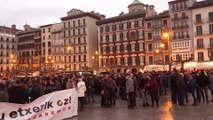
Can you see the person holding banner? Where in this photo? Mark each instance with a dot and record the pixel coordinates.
(81, 89)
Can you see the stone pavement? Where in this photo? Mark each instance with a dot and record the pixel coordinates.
(166, 111)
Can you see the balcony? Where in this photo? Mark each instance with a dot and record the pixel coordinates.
(210, 47)
(209, 20)
(199, 21)
(181, 37)
(207, 32)
(180, 18)
(200, 47)
(180, 27)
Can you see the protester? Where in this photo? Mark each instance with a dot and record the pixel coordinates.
(18, 93)
(130, 91)
(153, 89)
(192, 88)
(81, 89)
(3, 93)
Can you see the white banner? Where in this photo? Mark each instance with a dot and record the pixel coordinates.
(53, 106)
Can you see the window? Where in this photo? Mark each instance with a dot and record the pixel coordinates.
(49, 30)
(210, 16)
(84, 22)
(43, 30)
(164, 23)
(175, 16)
(149, 25)
(151, 60)
(79, 23)
(198, 18)
(49, 44)
(73, 23)
(211, 42)
(43, 44)
(150, 47)
(200, 56)
(199, 30)
(149, 36)
(121, 26)
(211, 28)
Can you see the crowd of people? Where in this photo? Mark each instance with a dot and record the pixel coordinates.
(147, 86)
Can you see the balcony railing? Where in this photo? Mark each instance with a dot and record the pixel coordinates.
(180, 18)
(210, 46)
(181, 37)
(199, 21)
(180, 27)
(207, 32)
(209, 20)
(200, 47)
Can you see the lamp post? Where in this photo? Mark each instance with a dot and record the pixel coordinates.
(166, 39)
(96, 58)
(50, 62)
(13, 64)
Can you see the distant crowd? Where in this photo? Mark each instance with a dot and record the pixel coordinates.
(148, 86)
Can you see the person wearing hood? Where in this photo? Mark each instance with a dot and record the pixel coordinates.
(81, 89)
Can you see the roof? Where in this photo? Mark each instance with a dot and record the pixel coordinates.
(9, 28)
(46, 25)
(201, 4)
(29, 32)
(175, 1)
(160, 15)
(135, 2)
(81, 15)
(121, 18)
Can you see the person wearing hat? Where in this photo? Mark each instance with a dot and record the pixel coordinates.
(81, 89)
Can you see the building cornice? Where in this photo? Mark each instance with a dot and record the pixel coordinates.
(121, 18)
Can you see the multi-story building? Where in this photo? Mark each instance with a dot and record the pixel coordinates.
(121, 38)
(202, 14)
(58, 47)
(157, 48)
(46, 40)
(181, 24)
(7, 49)
(29, 49)
(80, 32)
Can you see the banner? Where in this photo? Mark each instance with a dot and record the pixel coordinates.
(54, 106)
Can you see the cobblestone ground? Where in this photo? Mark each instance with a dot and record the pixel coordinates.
(166, 111)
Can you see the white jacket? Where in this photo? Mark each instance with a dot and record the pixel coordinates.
(81, 88)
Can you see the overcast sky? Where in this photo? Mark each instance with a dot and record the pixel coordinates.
(41, 12)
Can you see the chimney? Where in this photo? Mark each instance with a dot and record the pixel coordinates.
(13, 26)
(103, 17)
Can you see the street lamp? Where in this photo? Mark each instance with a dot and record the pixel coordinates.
(13, 63)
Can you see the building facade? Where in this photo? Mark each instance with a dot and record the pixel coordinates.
(158, 49)
(46, 41)
(121, 39)
(80, 33)
(7, 49)
(58, 47)
(29, 49)
(202, 13)
(181, 24)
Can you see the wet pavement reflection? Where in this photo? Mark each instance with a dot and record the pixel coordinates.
(166, 111)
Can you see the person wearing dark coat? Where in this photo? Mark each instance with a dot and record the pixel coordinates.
(203, 83)
(3, 93)
(181, 86)
(153, 90)
(18, 93)
(37, 90)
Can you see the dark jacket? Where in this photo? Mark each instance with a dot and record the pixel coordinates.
(203, 80)
(18, 94)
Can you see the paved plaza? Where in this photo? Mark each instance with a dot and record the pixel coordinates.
(166, 111)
